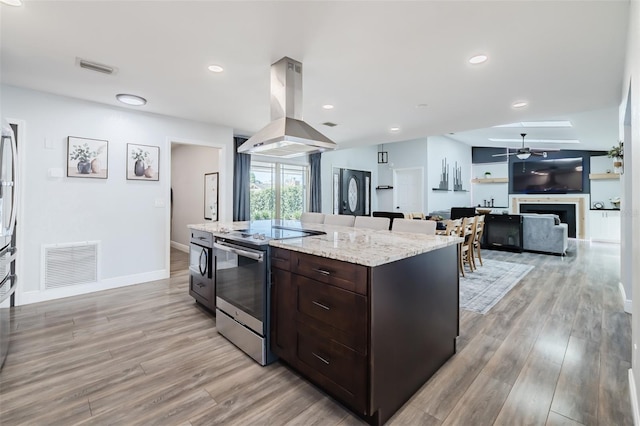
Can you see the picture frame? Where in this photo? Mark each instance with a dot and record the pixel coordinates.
(87, 158)
(143, 162)
(211, 196)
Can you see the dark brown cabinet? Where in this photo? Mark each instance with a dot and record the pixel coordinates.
(369, 336)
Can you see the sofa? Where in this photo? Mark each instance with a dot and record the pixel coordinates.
(544, 233)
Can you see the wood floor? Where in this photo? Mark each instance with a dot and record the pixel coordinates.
(554, 351)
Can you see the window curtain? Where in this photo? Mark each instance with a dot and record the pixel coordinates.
(315, 172)
(241, 178)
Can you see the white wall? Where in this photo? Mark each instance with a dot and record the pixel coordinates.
(630, 206)
(438, 148)
(121, 214)
(604, 189)
(365, 158)
(484, 192)
(189, 163)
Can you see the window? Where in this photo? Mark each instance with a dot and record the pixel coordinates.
(278, 191)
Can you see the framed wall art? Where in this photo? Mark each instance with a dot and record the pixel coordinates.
(87, 158)
(143, 162)
(211, 196)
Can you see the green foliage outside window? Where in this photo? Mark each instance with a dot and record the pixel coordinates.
(262, 203)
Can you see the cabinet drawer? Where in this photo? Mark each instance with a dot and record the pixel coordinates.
(280, 258)
(345, 275)
(201, 237)
(201, 286)
(341, 370)
(340, 309)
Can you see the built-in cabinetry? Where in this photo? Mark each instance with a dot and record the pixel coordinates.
(604, 225)
(369, 336)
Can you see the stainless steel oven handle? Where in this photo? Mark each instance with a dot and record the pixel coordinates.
(259, 256)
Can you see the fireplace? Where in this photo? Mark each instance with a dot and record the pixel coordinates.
(566, 212)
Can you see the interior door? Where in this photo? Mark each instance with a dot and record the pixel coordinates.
(408, 190)
(355, 192)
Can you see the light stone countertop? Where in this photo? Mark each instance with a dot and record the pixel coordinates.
(354, 245)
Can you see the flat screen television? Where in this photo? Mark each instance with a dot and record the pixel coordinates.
(549, 176)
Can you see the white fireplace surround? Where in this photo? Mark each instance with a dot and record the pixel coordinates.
(579, 200)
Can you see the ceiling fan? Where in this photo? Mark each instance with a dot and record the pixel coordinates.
(524, 152)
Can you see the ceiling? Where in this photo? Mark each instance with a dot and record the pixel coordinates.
(374, 61)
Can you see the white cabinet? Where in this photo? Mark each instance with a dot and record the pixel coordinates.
(604, 225)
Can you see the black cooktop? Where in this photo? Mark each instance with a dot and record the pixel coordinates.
(262, 234)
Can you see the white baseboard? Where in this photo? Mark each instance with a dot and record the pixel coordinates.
(179, 246)
(634, 398)
(627, 302)
(58, 293)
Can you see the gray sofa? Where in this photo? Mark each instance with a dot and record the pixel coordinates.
(544, 233)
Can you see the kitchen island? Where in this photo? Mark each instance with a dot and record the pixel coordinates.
(368, 316)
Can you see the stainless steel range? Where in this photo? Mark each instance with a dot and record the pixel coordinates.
(242, 286)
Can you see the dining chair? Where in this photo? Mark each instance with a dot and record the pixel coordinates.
(478, 240)
(452, 227)
(416, 215)
(378, 223)
(419, 226)
(339, 219)
(312, 217)
(467, 231)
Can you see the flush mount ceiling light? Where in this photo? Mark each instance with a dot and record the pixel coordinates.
(394, 129)
(520, 104)
(12, 2)
(215, 68)
(131, 99)
(327, 106)
(478, 59)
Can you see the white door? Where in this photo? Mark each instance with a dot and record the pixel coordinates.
(408, 190)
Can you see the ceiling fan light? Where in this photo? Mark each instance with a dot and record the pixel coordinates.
(523, 155)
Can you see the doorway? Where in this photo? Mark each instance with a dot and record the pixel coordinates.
(408, 190)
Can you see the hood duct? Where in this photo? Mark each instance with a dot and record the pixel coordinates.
(287, 135)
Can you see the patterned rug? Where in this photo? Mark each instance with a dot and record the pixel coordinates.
(481, 289)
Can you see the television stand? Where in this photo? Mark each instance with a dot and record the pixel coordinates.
(503, 232)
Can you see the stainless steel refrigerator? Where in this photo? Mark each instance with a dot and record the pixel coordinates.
(8, 279)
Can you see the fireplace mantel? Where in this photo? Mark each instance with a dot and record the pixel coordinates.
(578, 201)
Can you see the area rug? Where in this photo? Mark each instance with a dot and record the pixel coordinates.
(481, 289)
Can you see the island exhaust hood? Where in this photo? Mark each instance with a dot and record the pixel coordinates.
(287, 135)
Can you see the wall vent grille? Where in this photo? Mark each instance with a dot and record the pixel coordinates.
(70, 264)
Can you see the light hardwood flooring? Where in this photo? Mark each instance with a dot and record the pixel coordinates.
(554, 351)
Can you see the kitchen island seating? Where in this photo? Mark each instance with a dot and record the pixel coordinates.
(410, 225)
(378, 223)
(312, 217)
(339, 219)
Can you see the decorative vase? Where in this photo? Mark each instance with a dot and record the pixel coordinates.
(148, 172)
(138, 168)
(84, 167)
(95, 166)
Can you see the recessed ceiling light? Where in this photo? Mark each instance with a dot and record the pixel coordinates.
(131, 99)
(478, 59)
(394, 129)
(215, 68)
(327, 106)
(12, 2)
(520, 104)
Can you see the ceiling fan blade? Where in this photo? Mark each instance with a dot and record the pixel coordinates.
(503, 155)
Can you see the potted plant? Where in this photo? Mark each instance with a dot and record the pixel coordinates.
(487, 175)
(83, 154)
(617, 153)
(140, 156)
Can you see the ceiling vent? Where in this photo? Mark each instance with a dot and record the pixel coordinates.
(94, 66)
(329, 124)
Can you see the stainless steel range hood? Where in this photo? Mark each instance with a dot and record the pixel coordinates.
(287, 135)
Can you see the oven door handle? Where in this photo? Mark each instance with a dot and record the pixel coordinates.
(259, 256)
(206, 261)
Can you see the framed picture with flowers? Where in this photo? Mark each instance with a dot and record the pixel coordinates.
(211, 196)
(143, 162)
(87, 158)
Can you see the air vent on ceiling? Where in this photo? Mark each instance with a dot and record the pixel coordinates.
(329, 124)
(94, 66)
(70, 264)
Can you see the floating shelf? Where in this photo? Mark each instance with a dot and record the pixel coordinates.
(596, 176)
(460, 190)
(490, 180)
(439, 189)
(384, 187)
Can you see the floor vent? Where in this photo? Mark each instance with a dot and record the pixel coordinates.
(70, 264)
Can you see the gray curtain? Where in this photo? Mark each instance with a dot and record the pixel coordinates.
(241, 178)
(316, 194)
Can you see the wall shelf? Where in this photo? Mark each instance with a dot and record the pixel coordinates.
(490, 180)
(439, 189)
(384, 187)
(460, 190)
(597, 176)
